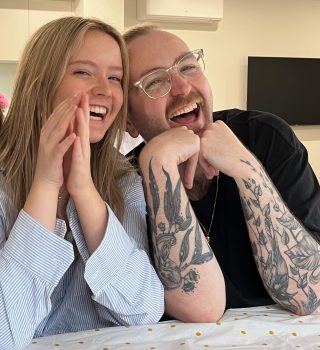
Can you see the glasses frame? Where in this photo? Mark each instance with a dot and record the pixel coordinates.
(138, 83)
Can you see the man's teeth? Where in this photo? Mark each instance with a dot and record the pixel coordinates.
(184, 110)
(98, 109)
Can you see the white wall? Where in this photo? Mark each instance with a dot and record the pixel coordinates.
(7, 75)
(313, 148)
(110, 11)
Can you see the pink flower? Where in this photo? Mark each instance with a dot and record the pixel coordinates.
(4, 103)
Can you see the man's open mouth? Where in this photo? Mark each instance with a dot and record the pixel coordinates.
(186, 114)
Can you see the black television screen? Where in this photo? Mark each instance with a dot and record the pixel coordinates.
(288, 87)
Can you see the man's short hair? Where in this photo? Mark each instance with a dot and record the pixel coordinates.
(138, 30)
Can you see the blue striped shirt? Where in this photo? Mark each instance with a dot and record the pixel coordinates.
(46, 288)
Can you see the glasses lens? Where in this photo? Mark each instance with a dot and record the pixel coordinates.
(192, 64)
(156, 84)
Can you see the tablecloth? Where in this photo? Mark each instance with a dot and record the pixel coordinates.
(266, 327)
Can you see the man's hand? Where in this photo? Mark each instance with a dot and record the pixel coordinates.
(222, 150)
(178, 146)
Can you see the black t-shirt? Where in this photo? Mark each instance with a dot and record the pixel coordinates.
(285, 160)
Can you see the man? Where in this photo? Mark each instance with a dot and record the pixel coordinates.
(234, 206)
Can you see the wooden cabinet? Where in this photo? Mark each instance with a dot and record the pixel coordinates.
(13, 28)
(20, 18)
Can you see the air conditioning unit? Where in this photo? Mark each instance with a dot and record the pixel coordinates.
(194, 11)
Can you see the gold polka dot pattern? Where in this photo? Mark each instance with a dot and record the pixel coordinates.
(267, 327)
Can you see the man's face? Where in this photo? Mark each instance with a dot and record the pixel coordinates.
(189, 101)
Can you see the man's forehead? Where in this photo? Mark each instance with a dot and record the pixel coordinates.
(154, 50)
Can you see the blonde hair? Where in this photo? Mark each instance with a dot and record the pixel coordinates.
(138, 30)
(40, 72)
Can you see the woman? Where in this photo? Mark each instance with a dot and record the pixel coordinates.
(72, 214)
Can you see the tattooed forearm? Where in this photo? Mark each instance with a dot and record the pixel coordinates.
(287, 256)
(177, 239)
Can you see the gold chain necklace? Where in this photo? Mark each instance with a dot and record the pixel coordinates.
(207, 233)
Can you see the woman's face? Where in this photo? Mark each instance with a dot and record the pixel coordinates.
(95, 68)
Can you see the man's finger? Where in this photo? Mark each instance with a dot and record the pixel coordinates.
(189, 170)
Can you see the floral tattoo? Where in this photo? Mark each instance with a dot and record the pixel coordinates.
(287, 256)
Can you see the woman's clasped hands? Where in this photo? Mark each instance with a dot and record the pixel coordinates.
(64, 147)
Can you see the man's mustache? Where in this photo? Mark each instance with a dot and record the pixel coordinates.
(181, 101)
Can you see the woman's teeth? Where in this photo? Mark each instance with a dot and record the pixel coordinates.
(97, 112)
(98, 109)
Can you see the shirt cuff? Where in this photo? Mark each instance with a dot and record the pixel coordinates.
(38, 250)
(111, 255)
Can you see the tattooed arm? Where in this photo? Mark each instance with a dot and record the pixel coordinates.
(193, 281)
(286, 254)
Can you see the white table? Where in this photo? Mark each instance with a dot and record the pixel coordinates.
(251, 328)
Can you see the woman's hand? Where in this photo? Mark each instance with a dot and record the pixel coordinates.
(78, 179)
(91, 208)
(56, 138)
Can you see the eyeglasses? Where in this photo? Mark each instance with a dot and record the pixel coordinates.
(158, 83)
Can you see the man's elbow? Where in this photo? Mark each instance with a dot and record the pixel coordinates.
(303, 312)
(209, 316)
(196, 313)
